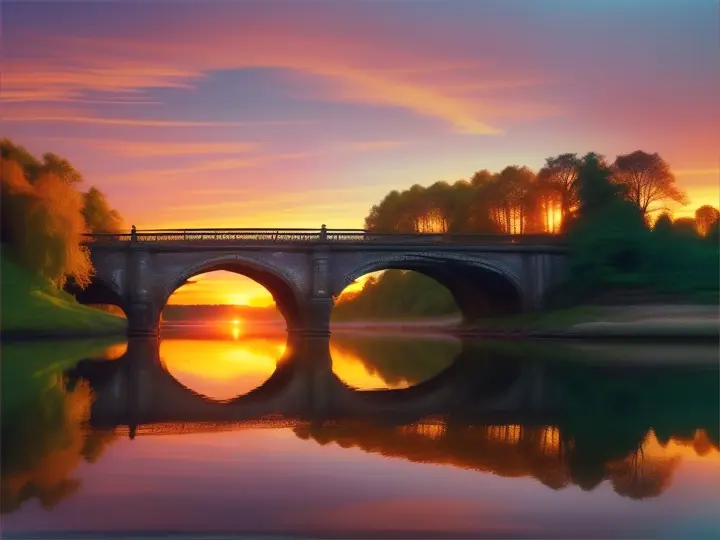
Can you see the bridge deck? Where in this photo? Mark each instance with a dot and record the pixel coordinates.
(313, 236)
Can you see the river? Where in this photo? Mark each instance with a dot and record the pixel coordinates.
(225, 430)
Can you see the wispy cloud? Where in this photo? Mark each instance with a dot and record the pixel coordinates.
(154, 148)
(367, 64)
(135, 122)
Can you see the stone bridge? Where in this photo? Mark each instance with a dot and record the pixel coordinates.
(136, 390)
(305, 270)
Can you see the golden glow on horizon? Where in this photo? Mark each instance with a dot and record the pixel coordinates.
(222, 288)
(699, 448)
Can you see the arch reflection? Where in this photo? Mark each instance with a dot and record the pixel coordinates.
(222, 369)
(390, 362)
(570, 423)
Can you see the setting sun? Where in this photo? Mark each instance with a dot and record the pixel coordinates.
(222, 288)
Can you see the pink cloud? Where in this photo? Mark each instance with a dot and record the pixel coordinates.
(155, 148)
(367, 65)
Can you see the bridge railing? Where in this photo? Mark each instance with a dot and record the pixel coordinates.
(293, 236)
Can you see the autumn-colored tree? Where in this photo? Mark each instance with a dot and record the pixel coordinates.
(512, 201)
(640, 477)
(9, 151)
(481, 202)
(705, 217)
(560, 173)
(43, 224)
(99, 217)
(61, 168)
(648, 180)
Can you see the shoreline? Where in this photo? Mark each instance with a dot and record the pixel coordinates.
(17, 336)
(618, 323)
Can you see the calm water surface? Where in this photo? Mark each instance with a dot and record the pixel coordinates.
(368, 435)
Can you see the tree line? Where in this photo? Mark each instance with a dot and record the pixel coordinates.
(45, 213)
(518, 200)
(603, 209)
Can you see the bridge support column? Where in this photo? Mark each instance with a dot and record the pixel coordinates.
(139, 359)
(142, 310)
(319, 306)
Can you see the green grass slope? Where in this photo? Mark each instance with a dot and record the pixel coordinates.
(29, 304)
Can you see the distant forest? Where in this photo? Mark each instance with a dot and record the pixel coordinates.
(605, 210)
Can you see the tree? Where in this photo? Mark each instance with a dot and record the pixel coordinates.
(705, 217)
(512, 204)
(685, 227)
(60, 167)
(99, 217)
(43, 224)
(594, 185)
(561, 173)
(648, 180)
(607, 236)
(9, 151)
(663, 225)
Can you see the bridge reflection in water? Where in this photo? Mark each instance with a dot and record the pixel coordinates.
(494, 409)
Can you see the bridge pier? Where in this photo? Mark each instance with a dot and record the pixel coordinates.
(318, 308)
(142, 311)
(143, 319)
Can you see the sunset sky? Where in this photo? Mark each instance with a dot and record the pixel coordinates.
(293, 114)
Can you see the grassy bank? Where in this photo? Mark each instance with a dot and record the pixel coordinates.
(31, 305)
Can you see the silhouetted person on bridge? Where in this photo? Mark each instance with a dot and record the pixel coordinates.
(133, 234)
(323, 232)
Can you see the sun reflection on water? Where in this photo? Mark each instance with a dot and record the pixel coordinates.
(222, 369)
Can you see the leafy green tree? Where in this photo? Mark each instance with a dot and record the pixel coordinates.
(663, 225)
(397, 294)
(607, 237)
(685, 227)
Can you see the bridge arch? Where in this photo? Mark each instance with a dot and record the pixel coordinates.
(277, 282)
(479, 287)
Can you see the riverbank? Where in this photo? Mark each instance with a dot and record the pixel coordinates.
(31, 308)
(656, 322)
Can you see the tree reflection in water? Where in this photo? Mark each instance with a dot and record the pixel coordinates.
(44, 430)
(599, 430)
